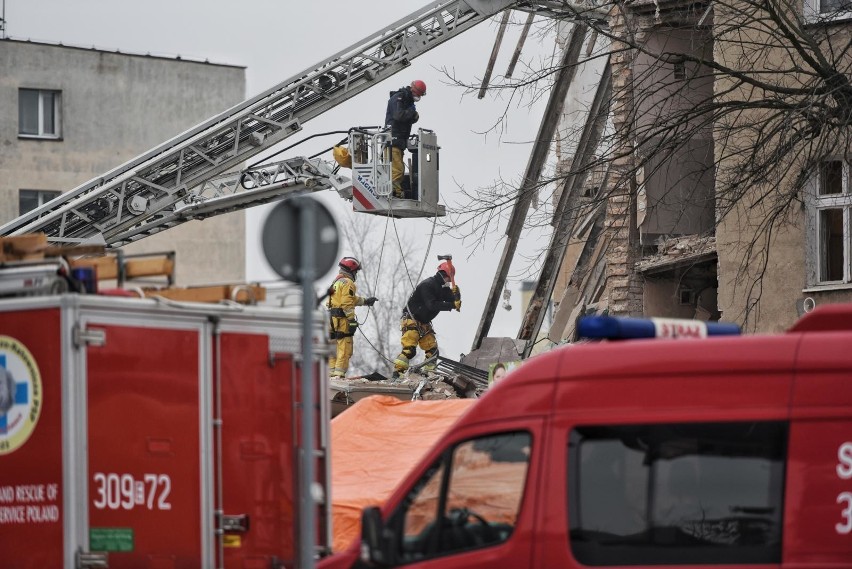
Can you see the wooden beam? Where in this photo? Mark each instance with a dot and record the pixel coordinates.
(586, 147)
(215, 293)
(30, 246)
(538, 157)
(524, 33)
(494, 51)
(107, 267)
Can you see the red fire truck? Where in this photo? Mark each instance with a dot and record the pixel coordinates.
(733, 451)
(143, 433)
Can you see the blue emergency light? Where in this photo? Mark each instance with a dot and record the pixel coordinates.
(612, 327)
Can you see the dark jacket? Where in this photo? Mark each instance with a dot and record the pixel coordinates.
(400, 115)
(429, 298)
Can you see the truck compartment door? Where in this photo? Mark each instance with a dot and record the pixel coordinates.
(145, 483)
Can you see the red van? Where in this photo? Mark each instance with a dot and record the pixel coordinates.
(733, 451)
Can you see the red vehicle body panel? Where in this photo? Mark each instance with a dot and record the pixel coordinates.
(822, 424)
(802, 379)
(143, 444)
(26, 540)
(255, 422)
(155, 424)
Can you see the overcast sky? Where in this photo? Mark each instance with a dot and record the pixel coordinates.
(275, 40)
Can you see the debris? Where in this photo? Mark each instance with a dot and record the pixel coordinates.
(450, 380)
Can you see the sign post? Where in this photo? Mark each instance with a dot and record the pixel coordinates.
(300, 241)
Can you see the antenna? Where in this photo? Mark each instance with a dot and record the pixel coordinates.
(3, 22)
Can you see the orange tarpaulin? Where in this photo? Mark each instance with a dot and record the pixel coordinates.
(374, 444)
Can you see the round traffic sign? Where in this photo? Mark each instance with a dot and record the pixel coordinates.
(282, 243)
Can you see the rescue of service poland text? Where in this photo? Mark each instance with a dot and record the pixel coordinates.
(25, 504)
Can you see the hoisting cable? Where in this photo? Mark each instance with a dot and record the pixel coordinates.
(408, 275)
(285, 149)
(375, 288)
(329, 149)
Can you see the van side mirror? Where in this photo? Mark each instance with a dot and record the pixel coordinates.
(375, 548)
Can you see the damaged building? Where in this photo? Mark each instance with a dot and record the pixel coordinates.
(682, 202)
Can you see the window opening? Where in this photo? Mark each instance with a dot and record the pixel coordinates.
(29, 200)
(830, 212)
(38, 113)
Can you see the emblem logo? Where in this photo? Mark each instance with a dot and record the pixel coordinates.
(20, 394)
(367, 185)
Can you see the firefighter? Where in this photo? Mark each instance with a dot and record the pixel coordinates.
(435, 294)
(342, 301)
(400, 115)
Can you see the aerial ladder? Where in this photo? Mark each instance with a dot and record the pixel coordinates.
(196, 174)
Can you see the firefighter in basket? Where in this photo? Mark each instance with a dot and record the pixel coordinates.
(433, 295)
(400, 115)
(342, 300)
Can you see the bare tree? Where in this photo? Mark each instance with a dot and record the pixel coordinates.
(734, 104)
(387, 254)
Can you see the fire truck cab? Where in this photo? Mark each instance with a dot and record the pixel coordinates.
(730, 451)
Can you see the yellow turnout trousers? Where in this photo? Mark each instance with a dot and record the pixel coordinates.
(415, 334)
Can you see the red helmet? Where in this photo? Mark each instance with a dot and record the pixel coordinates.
(418, 88)
(448, 269)
(351, 264)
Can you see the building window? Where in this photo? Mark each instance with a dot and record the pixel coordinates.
(683, 494)
(39, 113)
(28, 200)
(829, 210)
(680, 70)
(827, 10)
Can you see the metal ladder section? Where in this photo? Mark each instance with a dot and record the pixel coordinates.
(143, 196)
(239, 190)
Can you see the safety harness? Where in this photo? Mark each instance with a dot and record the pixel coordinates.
(338, 312)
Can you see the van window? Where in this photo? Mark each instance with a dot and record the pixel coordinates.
(693, 493)
(453, 509)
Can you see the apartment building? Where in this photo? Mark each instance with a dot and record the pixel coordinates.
(69, 114)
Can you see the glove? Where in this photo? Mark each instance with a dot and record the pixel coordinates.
(456, 293)
(370, 301)
(457, 305)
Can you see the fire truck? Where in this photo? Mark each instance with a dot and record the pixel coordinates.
(152, 433)
(162, 434)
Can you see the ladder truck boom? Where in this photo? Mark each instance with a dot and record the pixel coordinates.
(148, 193)
(239, 190)
(167, 185)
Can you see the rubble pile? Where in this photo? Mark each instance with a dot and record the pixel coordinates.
(415, 385)
(676, 249)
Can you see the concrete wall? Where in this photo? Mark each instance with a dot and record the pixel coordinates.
(763, 267)
(760, 293)
(115, 107)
